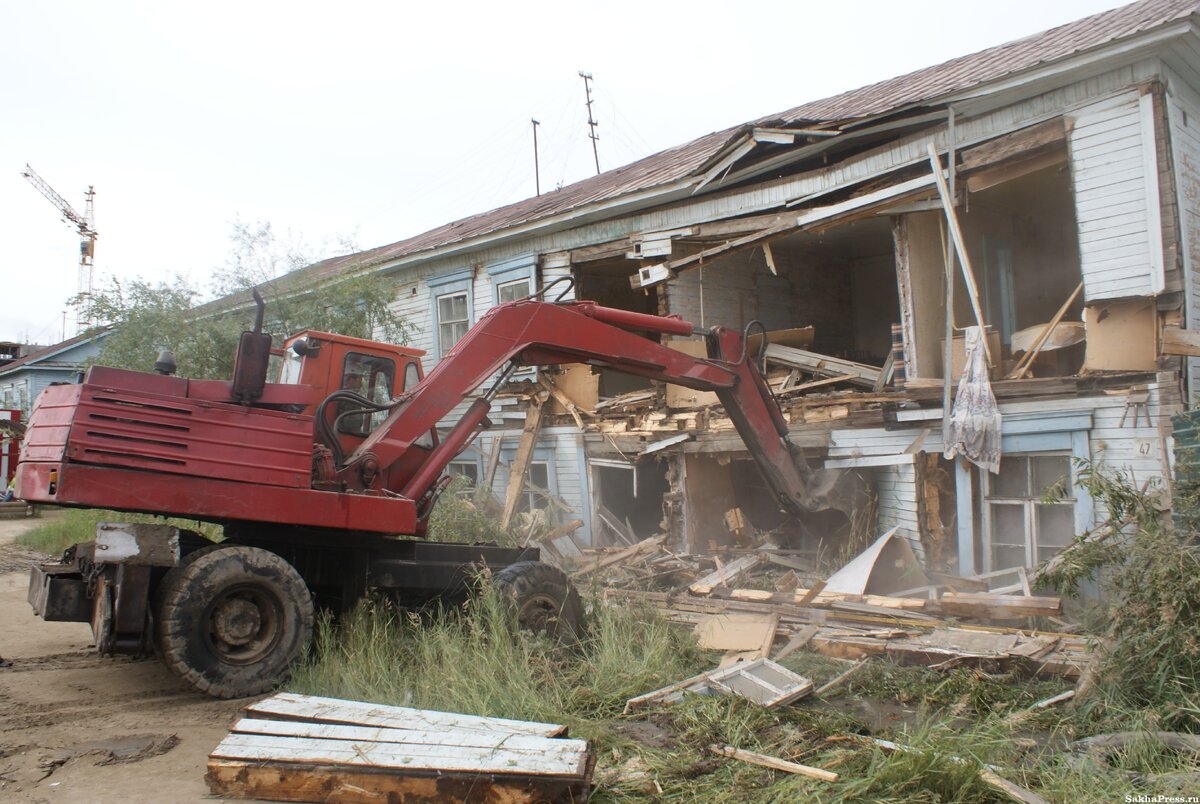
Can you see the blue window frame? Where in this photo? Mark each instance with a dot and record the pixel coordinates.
(451, 308)
(513, 279)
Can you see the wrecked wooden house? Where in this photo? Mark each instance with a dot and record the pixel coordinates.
(1068, 225)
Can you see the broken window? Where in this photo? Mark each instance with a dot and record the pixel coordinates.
(1029, 510)
(537, 484)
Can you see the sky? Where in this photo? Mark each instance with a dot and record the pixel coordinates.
(367, 123)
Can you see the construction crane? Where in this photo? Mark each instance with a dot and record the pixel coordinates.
(85, 224)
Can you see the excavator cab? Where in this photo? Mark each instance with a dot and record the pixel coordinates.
(375, 371)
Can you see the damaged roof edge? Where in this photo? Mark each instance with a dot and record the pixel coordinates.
(697, 157)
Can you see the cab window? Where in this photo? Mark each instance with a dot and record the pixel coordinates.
(369, 376)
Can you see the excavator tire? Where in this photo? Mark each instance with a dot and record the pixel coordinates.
(544, 598)
(232, 620)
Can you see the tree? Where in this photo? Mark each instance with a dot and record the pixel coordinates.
(150, 316)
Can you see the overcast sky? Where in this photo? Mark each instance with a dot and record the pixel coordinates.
(377, 121)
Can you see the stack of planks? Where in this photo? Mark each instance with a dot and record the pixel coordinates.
(302, 748)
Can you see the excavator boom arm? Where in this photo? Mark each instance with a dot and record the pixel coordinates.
(537, 333)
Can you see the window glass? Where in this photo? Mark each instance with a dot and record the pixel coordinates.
(453, 318)
(1013, 480)
(1055, 528)
(1050, 471)
(1023, 530)
(369, 376)
(289, 371)
(511, 291)
(412, 376)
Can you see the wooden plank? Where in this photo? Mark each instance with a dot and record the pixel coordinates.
(726, 575)
(453, 738)
(736, 632)
(798, 641)
(773, 763)
(520, 463)
(839, 679)
(859, 373)
(644, 547)
(960, 246)
(668, 693)
(282, 781)
(1178, 341)
(998, 607)
(1021, 143)
(465, 759)
(337, 710)
(489, 477)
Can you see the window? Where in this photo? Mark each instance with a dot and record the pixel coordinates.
(451, 304)
(369, 376)
(453, 319)
(511, 291)
(1024, 528)
(464, 469)
(537, 485)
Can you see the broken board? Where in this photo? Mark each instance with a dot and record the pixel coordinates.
(301, 748)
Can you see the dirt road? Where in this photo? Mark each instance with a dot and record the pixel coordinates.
(75, 727)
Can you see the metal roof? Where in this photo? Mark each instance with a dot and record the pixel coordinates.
(41, 356)
(683, 161)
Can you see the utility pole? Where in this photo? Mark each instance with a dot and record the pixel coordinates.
(537, 176)
(587, 92)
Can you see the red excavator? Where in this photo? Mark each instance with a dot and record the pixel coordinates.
(323, 482)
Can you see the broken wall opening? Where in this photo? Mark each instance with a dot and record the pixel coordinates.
(726, 504)
(841, 281)
(1022, 242)
(606, 282)
(628, 500)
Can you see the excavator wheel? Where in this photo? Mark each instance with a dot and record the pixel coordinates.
(544, 598)
(232, 620)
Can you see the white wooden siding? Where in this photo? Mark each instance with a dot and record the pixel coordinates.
(1115, 176)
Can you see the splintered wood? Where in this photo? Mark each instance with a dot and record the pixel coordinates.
(303, 748)
(848, 630)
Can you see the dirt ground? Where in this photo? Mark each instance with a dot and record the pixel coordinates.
(75, 727)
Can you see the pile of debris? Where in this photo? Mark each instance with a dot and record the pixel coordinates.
(881, 604)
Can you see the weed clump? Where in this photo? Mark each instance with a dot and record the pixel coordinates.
(1150, 573)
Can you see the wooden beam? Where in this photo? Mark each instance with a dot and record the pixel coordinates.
(814, 363)
(522, 460)
(1019, 144)
(773, 763)
(960, 246)
(489, 476)
(1178, 341)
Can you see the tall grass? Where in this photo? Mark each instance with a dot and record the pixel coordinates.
(475, 660)
(57, 533)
